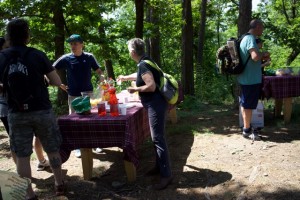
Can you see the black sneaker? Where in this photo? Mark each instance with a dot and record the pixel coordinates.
(246, 134)
(34, 198)
(60, 189)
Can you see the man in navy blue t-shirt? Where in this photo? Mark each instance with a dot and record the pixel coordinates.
(78, 65)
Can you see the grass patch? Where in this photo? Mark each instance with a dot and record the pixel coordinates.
(2, 128)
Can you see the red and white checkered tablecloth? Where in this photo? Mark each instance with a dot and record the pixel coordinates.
(92, 131)
(280, 87)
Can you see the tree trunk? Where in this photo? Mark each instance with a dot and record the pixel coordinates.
(139, 20)
(187, 77)
(108, 62)
(154, 41)
(59, 40)
(148, 19)
(201, 38)
(292, 56)
(218, 23)
(245, 15)
(109, 68)
(244, 19)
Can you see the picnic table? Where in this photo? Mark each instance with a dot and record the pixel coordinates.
(92, 131)
(282, 89)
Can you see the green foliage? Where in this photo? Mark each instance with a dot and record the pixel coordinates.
(58, 109)
(282, 29)
(117, 19)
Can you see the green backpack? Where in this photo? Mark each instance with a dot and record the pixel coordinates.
(168, 84)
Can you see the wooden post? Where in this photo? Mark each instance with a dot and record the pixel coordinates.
(87, 163)
(130, 171)
(287, 111)
(278, 107)
(173, 115)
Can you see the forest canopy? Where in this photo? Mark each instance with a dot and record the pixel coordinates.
(107, 25)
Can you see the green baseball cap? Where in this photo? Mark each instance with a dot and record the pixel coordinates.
(75, 38)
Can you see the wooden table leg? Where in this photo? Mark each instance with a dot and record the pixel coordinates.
(287, 109)
(278, 107)
(130, 171)
(87, 163)
(173, 115)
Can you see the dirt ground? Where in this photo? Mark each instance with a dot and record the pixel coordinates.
(210, 160)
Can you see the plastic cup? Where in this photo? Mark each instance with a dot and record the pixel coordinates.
(101, 109)
(87, 93)
(122, 109)
(126, 100)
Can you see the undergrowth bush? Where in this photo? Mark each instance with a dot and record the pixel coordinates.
(216, 90)
(58, 109)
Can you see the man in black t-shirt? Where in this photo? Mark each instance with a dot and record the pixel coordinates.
(38, 120)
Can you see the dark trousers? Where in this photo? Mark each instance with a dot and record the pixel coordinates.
(157, 110)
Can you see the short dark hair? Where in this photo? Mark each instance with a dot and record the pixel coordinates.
(17, 31)
(254, 23)
(138, 45)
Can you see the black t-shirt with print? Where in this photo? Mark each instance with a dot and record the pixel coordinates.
(38, 61)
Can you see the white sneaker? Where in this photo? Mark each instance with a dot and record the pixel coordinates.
(98, 150)
(77, 153)
(42, 165)
(255, 135)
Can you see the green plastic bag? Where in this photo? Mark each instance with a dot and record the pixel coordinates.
(81, 105)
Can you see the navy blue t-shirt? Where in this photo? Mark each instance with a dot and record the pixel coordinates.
(79, 71)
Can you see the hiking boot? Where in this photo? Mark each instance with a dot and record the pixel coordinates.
(43, 165)
(164, 182)
(153, 172)
(254, 135)
(60, 189)
(77, 153)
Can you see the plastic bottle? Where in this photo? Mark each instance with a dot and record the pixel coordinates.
(113, 101)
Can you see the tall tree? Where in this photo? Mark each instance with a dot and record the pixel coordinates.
(187, 77)
(154, 40)
(139, 19)
(201, 39)
(245, 16)
(107, 51)
(59, 40)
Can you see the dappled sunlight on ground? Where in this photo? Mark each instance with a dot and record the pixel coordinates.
(210, 160)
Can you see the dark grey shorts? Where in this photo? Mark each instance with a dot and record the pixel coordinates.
(42, 124)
